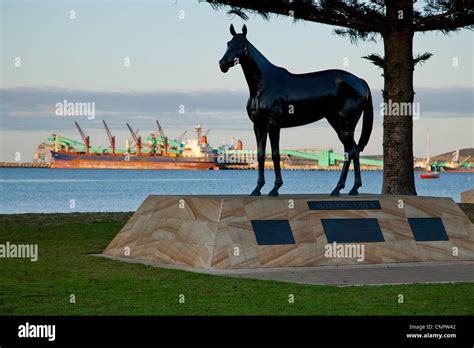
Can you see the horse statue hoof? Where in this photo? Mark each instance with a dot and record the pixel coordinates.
(256, 192)
(273, 192)
(335, 193)
(354, 192)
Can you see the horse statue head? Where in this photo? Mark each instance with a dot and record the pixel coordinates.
(237, 49)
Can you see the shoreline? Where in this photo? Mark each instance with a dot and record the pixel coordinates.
(467, 208)
(48, 165)
(230, 166)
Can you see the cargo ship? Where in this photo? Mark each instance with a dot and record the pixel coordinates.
(159, 153)
(119, 161)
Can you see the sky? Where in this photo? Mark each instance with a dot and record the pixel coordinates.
(144, 60)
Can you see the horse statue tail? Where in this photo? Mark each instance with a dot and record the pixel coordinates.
(368, 121)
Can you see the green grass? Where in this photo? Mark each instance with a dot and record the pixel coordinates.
(105, 287)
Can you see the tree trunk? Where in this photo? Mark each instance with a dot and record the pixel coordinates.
(398, 175)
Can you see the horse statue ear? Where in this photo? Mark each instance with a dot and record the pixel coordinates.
(244, 30)
(232, 30)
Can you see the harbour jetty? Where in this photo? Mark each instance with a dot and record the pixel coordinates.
(25, 165)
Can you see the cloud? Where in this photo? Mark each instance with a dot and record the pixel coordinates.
(455, 100)
(34, 108)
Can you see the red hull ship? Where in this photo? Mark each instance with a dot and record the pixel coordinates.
(429, 175)
(119, 161)
(163, 154)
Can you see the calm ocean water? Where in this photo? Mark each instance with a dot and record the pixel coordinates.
(30, 190)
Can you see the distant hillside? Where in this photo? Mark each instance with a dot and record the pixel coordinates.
(448, 156)
(445, 157)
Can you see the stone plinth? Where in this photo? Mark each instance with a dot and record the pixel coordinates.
(235, 232)
(467, 196)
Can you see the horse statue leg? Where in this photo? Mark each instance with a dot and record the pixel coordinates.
(261, 136)
(274, 134)
(342, 179)
(357, 177)
(348, 140)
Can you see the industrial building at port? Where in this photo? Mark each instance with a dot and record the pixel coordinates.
(158, 147)
(158, 151)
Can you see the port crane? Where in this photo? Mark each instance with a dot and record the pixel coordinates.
(198, 129)
(163, 137)
(85, 138)
(160, 130)
(181, 137)
(111, 137)
(464, 160)
(137, 139)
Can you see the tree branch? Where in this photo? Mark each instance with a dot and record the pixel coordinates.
(446, 25)
(376, 59)
(455, 15)
(421, 58)
(360, 17)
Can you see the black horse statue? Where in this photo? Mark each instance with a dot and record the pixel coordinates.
(280, 99)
